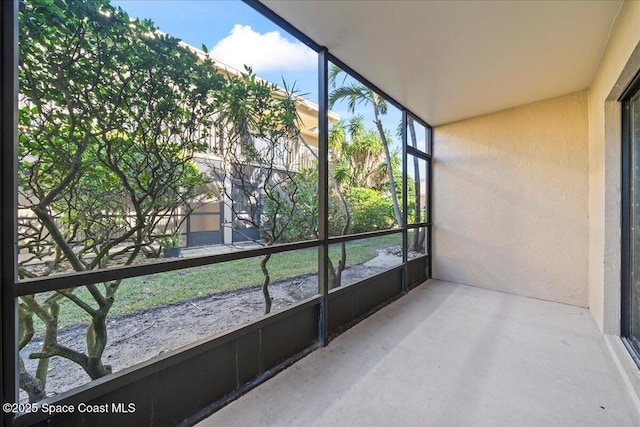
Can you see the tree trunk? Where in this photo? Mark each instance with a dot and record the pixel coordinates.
(96, 343)
(48, 314)
(265, 284)
(416, 246)
(32, 385)
(342, 263)
(335, 276)
(421, 237)
(392, 184)
(50, 338)
(57, 237)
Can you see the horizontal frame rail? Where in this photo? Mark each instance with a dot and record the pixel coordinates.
(367, 235)
(70, 280)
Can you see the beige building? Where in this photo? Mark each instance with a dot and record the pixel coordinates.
(213, 221)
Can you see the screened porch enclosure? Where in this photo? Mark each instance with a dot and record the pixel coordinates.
(413, 213)
(291, 222)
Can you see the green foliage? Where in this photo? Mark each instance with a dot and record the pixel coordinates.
(302, 194)
(370, 209)
(361, 168)
(303, 220)
(260, 125)
(356, 153)
(355, 93)
(112, 113)
(411, 194)
(173, 240)
(254, 109)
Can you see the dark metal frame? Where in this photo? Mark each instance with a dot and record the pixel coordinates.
(631, 342)
(427, 157)
(323, 192)
(8, 201)
(429, 217)
(284, 24)
(324, 58)
(405, 201)
(377, 290)
(70, 280)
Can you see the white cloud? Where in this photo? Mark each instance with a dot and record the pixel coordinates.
(263, 52)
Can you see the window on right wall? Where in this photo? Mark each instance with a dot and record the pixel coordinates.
(630, 327)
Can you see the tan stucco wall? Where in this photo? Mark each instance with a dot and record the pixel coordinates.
(511, 200)
(617, 67)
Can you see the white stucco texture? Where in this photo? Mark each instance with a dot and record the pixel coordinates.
(511, 200)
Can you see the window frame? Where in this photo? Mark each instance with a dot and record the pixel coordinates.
(631, 343)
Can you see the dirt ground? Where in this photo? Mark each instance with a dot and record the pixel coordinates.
(145, 335)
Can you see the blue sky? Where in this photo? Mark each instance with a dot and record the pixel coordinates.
(236, 34)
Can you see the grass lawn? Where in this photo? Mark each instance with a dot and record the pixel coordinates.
(145, 292)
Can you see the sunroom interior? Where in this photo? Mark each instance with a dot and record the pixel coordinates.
(523, 307)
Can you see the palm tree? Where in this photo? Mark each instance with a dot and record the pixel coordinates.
(357, 93)
(418, 235)
(356, 152)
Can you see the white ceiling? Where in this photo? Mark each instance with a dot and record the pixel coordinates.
(451, 60)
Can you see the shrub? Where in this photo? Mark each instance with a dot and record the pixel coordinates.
(370, 209)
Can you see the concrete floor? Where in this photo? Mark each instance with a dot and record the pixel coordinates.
(449, 355)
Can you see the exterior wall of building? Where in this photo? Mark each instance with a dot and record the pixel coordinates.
(619, 64)
(511, 200)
